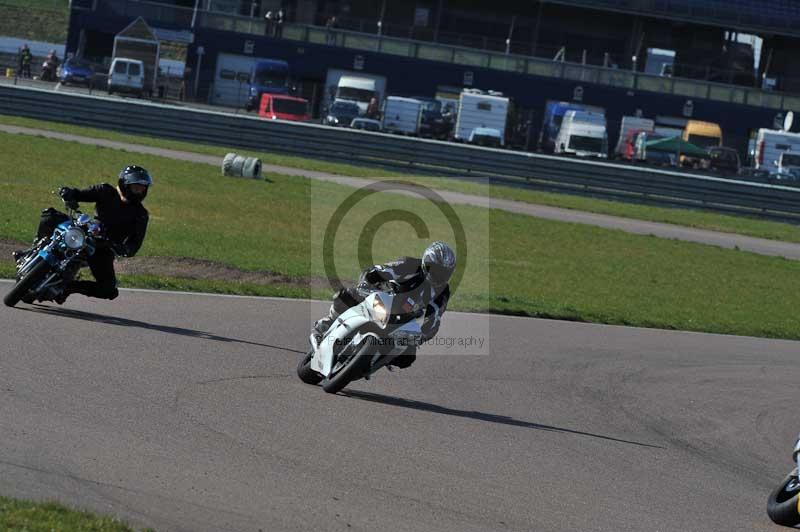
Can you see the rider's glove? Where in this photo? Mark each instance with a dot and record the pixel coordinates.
(68, 194)
(373, 276)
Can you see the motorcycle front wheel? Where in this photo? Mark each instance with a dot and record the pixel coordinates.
(352, 370)
(34, 275)
(304, 371)
(782, 505)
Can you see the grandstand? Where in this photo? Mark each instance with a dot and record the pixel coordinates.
(601, 49)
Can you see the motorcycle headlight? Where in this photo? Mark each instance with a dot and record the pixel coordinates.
(74, 238)
(379, 312)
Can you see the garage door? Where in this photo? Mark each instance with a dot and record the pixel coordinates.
(232, 79)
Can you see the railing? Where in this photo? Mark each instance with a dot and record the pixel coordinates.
(542, 67)
(151, 11)
(771, 16)
(421, 156)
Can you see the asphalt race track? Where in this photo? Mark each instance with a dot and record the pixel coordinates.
(183, 412)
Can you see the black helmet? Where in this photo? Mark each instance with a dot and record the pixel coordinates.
(134, 175)
(438, 262)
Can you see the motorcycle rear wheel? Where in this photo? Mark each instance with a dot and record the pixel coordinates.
(354, 369)
(24, 285)
(782, 503)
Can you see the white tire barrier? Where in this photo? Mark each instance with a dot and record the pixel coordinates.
(239, 166)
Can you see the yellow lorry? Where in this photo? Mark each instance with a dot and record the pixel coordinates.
(704, 135)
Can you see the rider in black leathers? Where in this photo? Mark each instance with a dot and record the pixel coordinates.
(124, 218)
(427, 278)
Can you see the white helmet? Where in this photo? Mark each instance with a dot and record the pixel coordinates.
(438, 263)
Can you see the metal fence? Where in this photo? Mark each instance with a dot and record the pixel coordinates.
(420, 156)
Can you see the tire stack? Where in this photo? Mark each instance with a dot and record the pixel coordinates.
(235, 165)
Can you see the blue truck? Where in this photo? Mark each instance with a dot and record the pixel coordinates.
(267, 76)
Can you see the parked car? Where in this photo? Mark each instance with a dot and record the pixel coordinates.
(758, 175)
(126, 75)
(367, 124)
(788, 167)
(341, 114)
(486, 136)
(76, 71)
(724, 160)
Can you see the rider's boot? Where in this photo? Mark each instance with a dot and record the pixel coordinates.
(66, 291)
(320, 327)
(61, 297)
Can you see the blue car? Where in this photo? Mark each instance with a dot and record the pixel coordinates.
(77, 72)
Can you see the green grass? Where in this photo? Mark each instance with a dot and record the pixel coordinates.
(36, 20)
(43, 5)
(28, 516)
(516, 264)
(685, 217)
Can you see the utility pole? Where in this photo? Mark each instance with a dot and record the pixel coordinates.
(510, 33)
(536, 28)
(438, 21)
(380, 18)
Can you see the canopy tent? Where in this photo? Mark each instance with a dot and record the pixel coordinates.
(676, 145)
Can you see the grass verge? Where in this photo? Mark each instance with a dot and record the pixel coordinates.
(36, 20)
(516, 264)
(31, 516)
(685, 217)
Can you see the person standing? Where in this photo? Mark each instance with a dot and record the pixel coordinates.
(279, 24)
(330, 26)
(268, 24)
(19, 62)
(27, 57)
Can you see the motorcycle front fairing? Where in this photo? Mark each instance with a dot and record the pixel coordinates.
(342, 328)
(347, 325)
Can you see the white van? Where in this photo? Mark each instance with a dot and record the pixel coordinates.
(583, 133)
(402, 115)
(126, 75)
(770, 144)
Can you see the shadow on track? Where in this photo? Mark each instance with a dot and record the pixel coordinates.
(480, 416)
(124, 322)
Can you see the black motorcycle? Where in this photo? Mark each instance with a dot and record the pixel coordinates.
(54, 261)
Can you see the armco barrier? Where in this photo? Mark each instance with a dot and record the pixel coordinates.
(604, 179)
